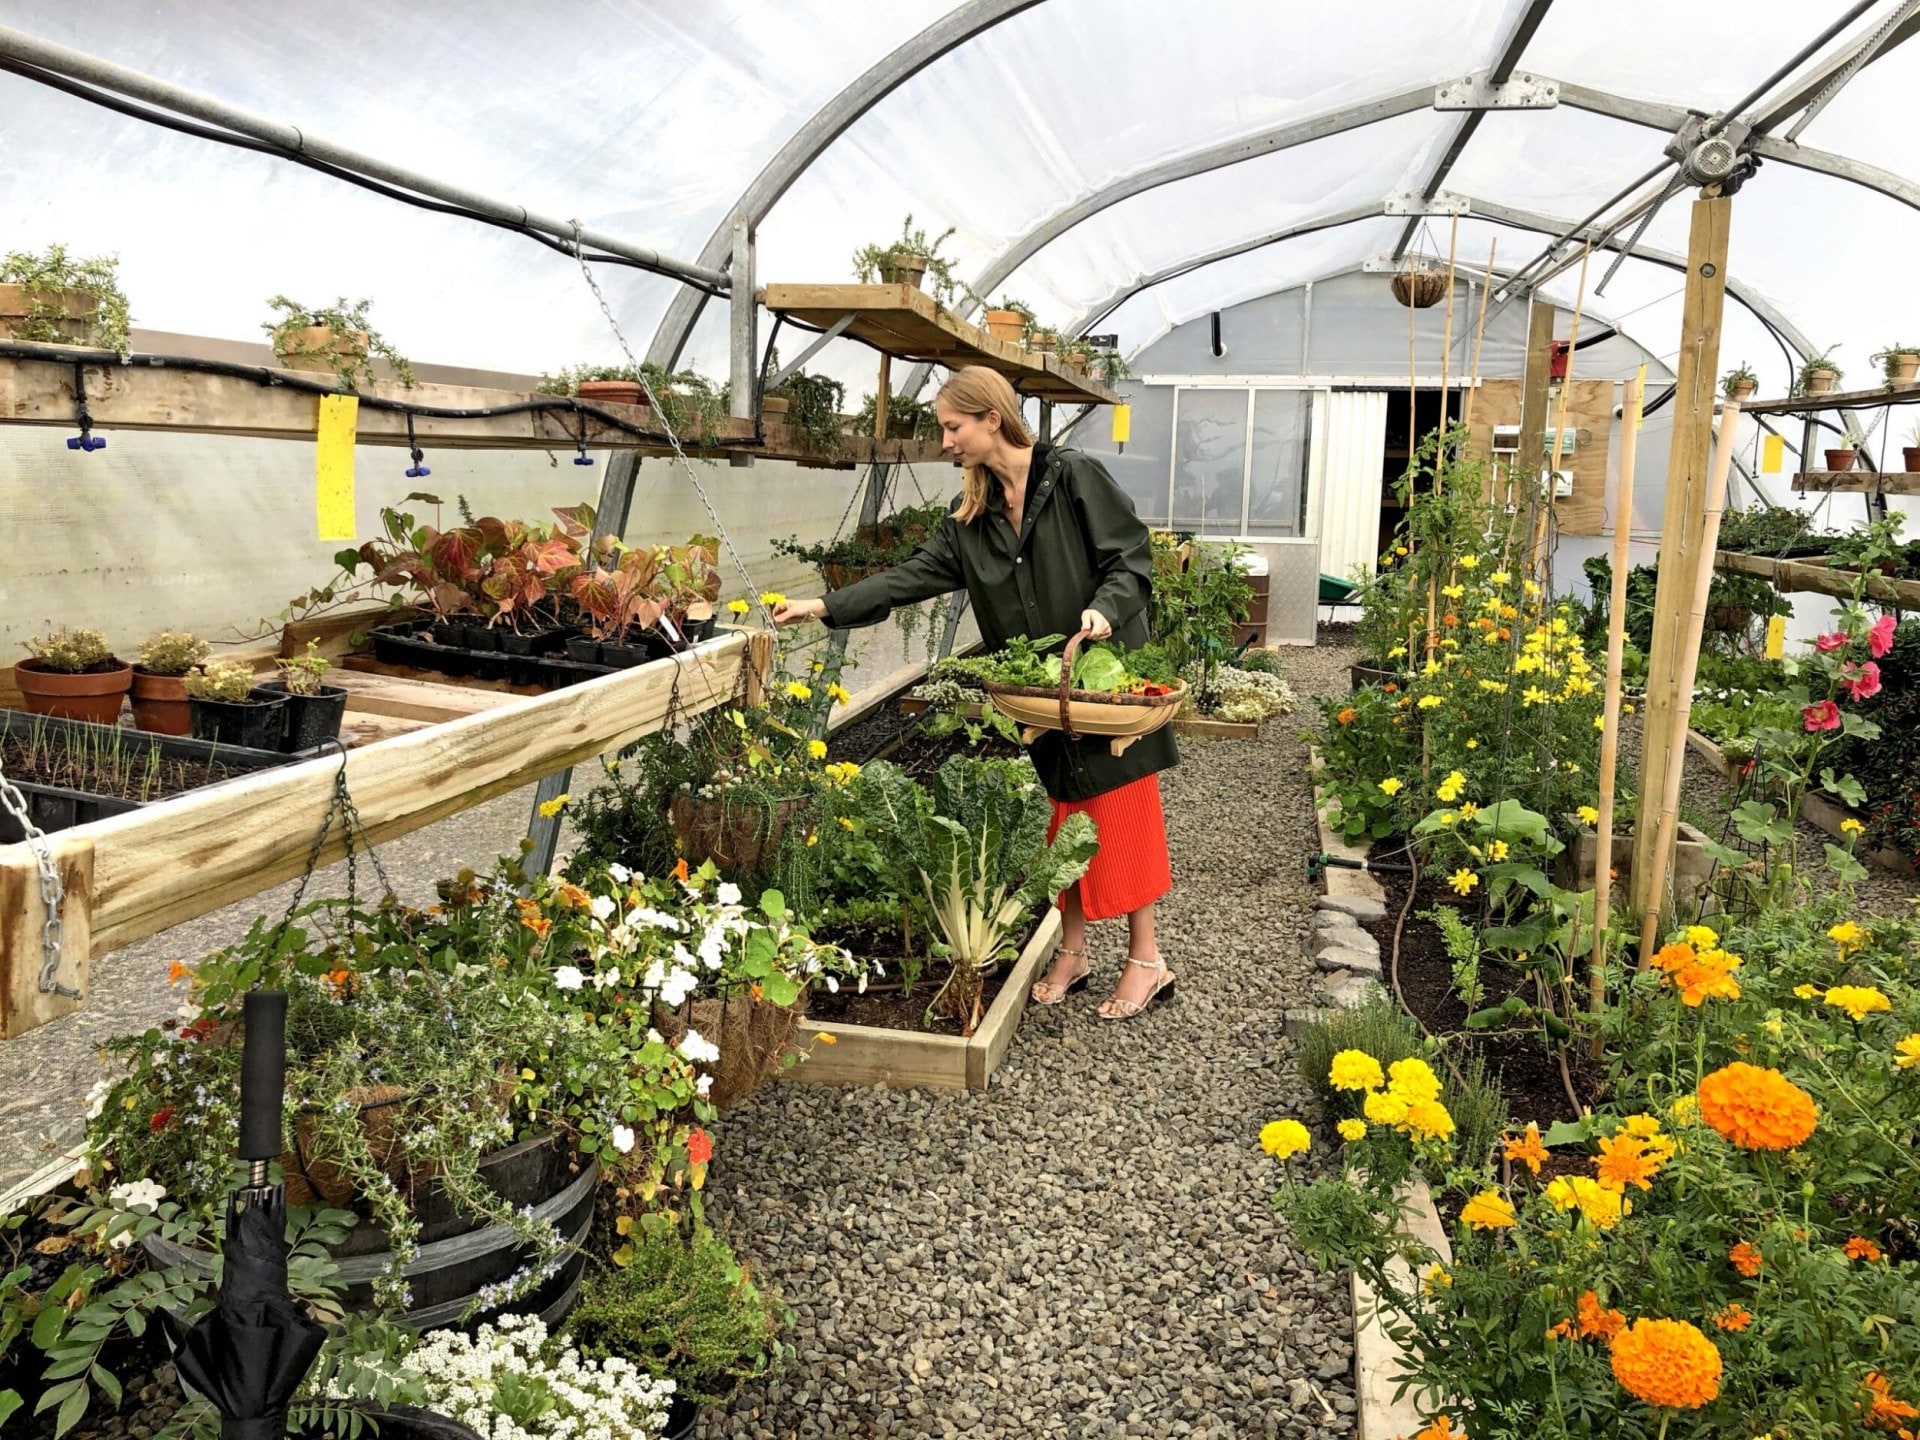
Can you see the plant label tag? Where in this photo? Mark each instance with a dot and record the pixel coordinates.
(1776, 634)
(668, 629)
(1773, 454)
(333, 466)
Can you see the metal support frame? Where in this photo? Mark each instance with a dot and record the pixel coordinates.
(609, 518)
(78, 65)
(831, 333)
(1479, 91)
(1440, 202)
(743, 306)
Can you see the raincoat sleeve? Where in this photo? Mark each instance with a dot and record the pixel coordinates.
(1119, 552)
(933, 569)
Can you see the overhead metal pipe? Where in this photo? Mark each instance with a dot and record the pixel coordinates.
(77, 64)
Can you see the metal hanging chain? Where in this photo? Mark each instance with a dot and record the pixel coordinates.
(340, 803)
(753, 590)
(52, 932)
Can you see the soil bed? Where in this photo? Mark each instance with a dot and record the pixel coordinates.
(121, 768)
(885, 734)
(1522, 1065)
(883, 1005)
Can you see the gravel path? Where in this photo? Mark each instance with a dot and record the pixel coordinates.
(1087, 1248)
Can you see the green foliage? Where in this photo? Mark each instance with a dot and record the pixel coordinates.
(1771, 530)
(173, 652)
(681, 1307)
(1379, 1027)
(53, 273)
(1742, 373)
(881, 262)
(1199, 594)
(230, 682)
(1463, 949)
(73, 652)
(905, 415)
(814, 403)
(305, 674)
(348, 351)
(1816, 365)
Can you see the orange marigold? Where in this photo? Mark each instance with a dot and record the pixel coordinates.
(1735, 1317)
(1528, 1150)
(1441, 1429)
(1745, 1259)
(1756, 1108)
(1667, 1362)
(1882, 1408)
(1596, 1321)
(1861, 1248)
(1347, 715)
(1623, 1160)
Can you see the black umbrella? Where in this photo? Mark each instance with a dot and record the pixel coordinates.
(250, 1352)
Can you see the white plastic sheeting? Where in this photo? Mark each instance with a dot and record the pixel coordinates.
(649, 118)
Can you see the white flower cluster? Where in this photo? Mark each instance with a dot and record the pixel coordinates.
(592, 1400)
(1247, 696)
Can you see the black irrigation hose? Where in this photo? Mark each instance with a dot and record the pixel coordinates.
(268, 377)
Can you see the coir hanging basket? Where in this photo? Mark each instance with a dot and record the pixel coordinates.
(1419, 288)
(1123, 719)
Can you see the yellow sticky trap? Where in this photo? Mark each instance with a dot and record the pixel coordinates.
(333, 466)
(1122, 424)
(1773, 452)
(1776, 636)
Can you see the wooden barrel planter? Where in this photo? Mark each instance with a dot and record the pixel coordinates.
(459, 1255)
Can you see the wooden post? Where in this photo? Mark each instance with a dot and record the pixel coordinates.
(1610, 706)
(1695, 624)
(1533, 411)
(1446, 344)
(1680, 525)
(882, 396)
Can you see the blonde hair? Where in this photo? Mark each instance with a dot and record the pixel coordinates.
(976, 391)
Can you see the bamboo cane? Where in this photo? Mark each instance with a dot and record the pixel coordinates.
(1694, 626)
(1446, 343)
(1480, 334)
(1610, 707)
(1545, 507)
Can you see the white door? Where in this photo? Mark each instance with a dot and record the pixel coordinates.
(1350, 457)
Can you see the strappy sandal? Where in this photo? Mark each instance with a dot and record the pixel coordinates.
(1046, 994)
(1127, 1009)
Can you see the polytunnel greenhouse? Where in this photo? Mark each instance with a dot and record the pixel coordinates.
(959, 720)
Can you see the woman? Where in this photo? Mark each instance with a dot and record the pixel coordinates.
(1045, 543)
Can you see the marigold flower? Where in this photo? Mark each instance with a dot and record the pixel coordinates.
(1756, 1108)
(1469, 810)
(1413, 1079)
(1702, 937)
(1623, 1161)
(1528, 1149)
(1734, 1317)
(1596, 1321)
(1857, 1000)
(1431, 702)
(1847, 935)
(1746, 1259)
(1908, 1047)
(1860, 1248)
(737, 607)
(1883, 1410)
(1441, 1428)
(1390, 786)
(1601, 1207)
(1463, 881)
(1852, 828)
(1560, 1330)
(1283, 1139)
(1806, 992)
(1352, 1129)
(798, 691)
(1383, 1108)
(1489, 1210)
(1355, 1070)
(1448, 790)
(1437, 1277)
(817, 749)
(1347, 716)
(1667, 1362)
(1429, 1120)
(772, 597)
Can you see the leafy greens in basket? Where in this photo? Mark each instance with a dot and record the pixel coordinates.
(1103, 668)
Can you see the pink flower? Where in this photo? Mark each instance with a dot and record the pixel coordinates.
(1862, 681)
(1824, 716)
(1827, 644)
(1880, 637)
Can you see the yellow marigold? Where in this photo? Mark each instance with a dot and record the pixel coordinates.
(1667, 1362)
(1355, 1070)
(1429, 1120)
(1756, 1108)
(1352, 1129)
(1853, 827)
(1857, 1000)
(1430, 702)
(798, 691)
(1448, 790)
(1745, 1258)
(1849, 937)
(1908, 1047)
(1684, 1108)
(1385, 1109)
(1413, 1079)
(1806, 992)
(1601, 1207)
(1528, 1150)
(1702, 937)
(1469, 810)
(1283, 1139)
(1390, 786)
(1645, 1126)
(1489, 1210)
(817, 749)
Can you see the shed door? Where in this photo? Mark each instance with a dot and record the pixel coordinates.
(1352, 455)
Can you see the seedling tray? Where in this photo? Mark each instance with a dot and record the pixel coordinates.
(411, 643)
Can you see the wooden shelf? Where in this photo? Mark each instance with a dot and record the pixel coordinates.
(1858, 482)
(149, 394)
(133, 875)
(1839, 400)
(1817, 577)
(906, 322)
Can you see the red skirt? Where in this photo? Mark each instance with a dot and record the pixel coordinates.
(1131, 868)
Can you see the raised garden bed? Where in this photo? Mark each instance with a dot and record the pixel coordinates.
(847, 1052)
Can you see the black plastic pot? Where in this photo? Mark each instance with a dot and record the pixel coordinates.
(310, 719)
(641, 647)
(258, 723)
(532, 642)
(683, 1417)
(416, 644)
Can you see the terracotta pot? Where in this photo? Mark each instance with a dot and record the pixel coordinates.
(1903, 368)
(1841, 459)
(308, 348)
(775, 405)
(1822, 382)
(1007, 325)
(908, 270)
(1743, 389)
(1912, 454)
(72, 320)
(94, 697)
(613, 392)
(1419, 288)
(1043, 342)
(160, 703)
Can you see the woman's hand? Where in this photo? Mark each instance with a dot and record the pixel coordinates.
(1095, 624)
(792, 612)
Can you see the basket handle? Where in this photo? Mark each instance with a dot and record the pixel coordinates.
(1066, 682)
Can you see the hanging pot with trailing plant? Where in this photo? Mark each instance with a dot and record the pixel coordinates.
(74, 675)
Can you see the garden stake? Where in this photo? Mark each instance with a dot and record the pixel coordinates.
(1446, 343)
(1695, 624)
(1480, 334)
(1610, 707)
(1544, 511)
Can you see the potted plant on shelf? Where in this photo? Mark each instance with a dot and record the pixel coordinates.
(1740, 382)
(1911, 450)
(601, 384)
(1843, 456)
(621, 603)
(694, 406)
(1042, 339)
(1819, 375)
(159, 689)
(226, 705)
(1009, 320)
(810, 404)
(909, 260)
(314, 709)
(1899, 363)
(907, 419)
(335, 339)
(75, 675)
(50, 298)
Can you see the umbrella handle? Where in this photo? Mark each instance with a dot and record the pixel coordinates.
(263, 1076)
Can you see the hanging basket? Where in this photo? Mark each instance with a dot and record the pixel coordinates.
(838, 576)
(1122, 719)
(1419, 288)
(752, 1034)
(735, 835)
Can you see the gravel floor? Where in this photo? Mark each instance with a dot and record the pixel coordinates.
(1086, 1248)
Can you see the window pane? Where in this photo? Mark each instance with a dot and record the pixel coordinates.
(1277, 502)
(1142, 471)
(1209, 460)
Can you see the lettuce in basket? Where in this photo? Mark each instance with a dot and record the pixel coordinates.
(1098, 668)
